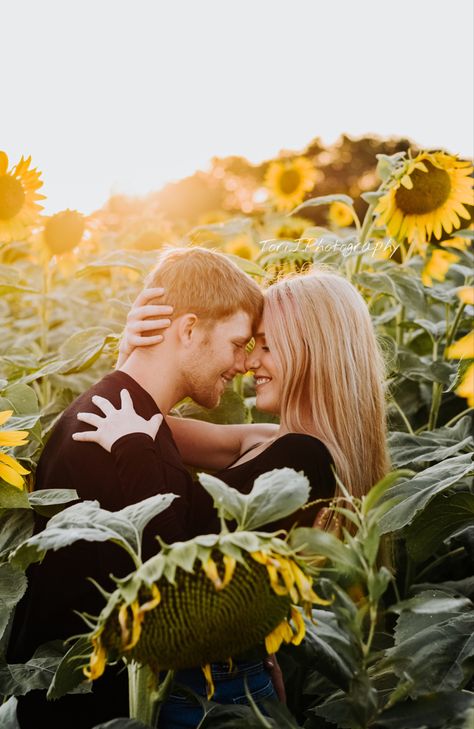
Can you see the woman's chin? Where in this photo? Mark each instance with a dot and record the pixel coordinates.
(265, 405)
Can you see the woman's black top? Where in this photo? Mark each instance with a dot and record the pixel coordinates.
(293, 450)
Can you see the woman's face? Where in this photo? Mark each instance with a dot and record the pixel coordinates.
(267, 383)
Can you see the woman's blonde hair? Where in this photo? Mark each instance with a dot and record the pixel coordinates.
(332, 369)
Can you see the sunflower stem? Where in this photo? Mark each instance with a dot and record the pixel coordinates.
(403, 417)
(437, 391)
(399, 320)
(143, 693)
(458, 417)
(452, 332)
(364, 232)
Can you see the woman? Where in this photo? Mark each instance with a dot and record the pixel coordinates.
(317, 365)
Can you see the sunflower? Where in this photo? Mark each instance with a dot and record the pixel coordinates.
(18, 196)
(437, 266)
(424, 196)
(244, 247)
(340, 215)
(289, 180)
(241, 589)
(10, 469)
(63, 231)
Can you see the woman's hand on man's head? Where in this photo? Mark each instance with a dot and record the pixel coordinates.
(143, 321)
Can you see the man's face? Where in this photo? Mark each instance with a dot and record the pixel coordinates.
(216, 357)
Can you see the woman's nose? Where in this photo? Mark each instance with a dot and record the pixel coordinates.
(251, 362)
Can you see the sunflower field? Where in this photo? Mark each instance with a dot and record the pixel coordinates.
(363, 646)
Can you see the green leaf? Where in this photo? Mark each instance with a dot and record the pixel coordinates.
(8, 718)
(13, 498)
(122, 724)
(417, 492)
(250, 267)
(405, 288)
(373, 197)
(315, 202)
(370, 500)
(12, 588)
(82, 521)
(436, 658)
(69, 674)
(432, 712)
(427, 608)
(418, 368)
(49, 501)
(116, 259)
(435, 445)
(320, 543)
(274, 495)
(83, 348)
(231, 410)
(16, 525)
(17, 679)
(444, 516)
(144, 511)
(21, 399)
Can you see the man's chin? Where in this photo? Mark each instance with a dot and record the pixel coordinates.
(208, 401)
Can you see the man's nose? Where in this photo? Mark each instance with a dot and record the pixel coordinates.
(240, 363)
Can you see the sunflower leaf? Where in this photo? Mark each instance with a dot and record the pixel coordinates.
(275, 494)
(315, 202)
(417, 492)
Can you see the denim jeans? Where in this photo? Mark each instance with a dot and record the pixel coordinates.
(181, 711)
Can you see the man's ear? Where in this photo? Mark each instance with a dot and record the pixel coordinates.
(187, 329)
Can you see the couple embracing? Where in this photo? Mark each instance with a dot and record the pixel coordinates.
(316, 364)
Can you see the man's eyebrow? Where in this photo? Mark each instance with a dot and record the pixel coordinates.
(242, 340)
(260, 334)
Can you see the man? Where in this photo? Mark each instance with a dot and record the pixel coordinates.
(215, 306)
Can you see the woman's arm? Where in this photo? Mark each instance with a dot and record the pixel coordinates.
(207, 445)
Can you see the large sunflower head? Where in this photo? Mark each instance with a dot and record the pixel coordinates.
(18, 198)
(203, 601)
(289, 180)
(425, 195)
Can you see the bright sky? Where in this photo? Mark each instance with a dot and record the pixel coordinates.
(122, 96)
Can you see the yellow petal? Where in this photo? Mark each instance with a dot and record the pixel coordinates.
(466, 294)
(210, 568)
(153, 602)
(297, 618)
(466, 387)
(406, 181)
(210, 688)
(277, 587)
(97, 660)
(13, 463)
(136, 626)
(229, 563)
(13, 438)
(463, 348)
(123, 622)
(11, 476)
(5, 414)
